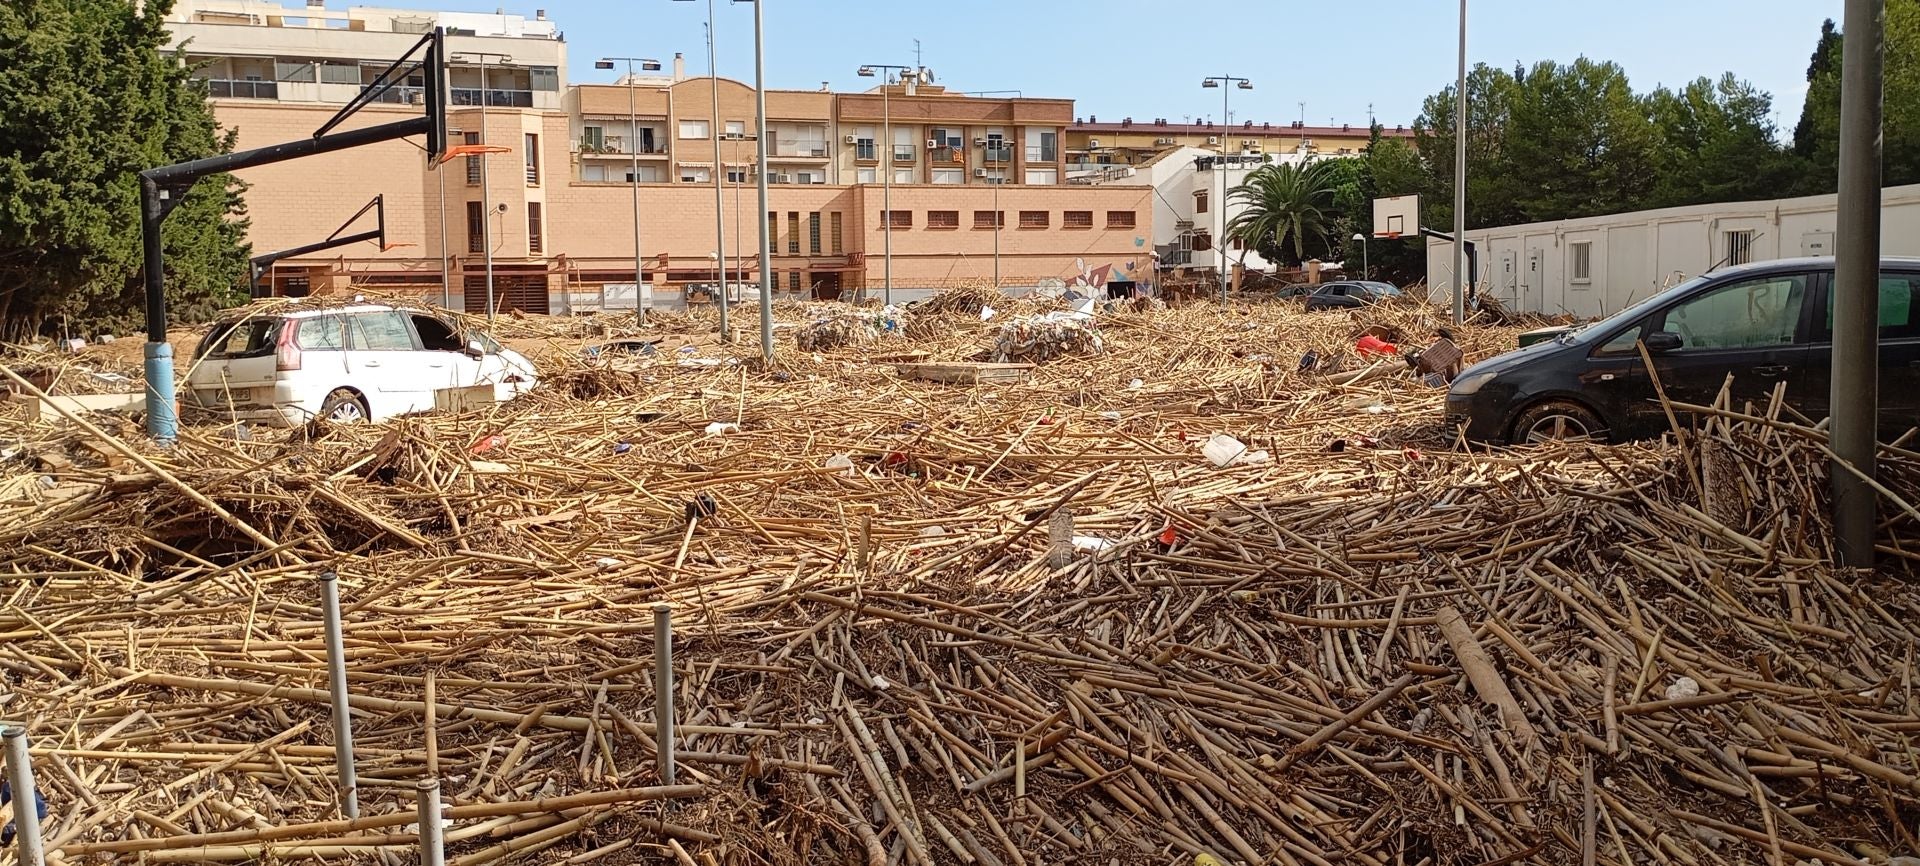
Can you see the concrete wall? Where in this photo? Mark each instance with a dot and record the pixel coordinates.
(1636, 255)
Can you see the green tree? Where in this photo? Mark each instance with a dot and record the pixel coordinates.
(1817, 136)
(1579, 142)
(1287, 207)
(1717, 143)
(92, 98)
(1490, 195)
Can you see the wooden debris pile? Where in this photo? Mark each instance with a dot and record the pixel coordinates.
(1017, 623)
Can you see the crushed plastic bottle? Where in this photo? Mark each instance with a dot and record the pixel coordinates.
(842, 463)
(1684, 687)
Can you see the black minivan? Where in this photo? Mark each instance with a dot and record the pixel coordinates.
(1763, 323)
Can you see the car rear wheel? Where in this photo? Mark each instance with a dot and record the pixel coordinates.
(343, 406)
(1557, 420)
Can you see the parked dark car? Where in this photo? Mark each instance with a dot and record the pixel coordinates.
(1763, 324)
(1350, 293)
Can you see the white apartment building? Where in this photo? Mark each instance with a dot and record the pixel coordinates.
(1192, 187)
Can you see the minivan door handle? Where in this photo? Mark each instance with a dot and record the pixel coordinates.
(1771, 370)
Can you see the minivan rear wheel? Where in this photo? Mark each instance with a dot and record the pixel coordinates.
(1557, 420)
(343, 406)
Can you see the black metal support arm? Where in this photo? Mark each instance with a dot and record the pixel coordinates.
(378, 234)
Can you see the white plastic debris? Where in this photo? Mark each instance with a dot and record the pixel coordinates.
(933, 532)
(721, 428)
(1685, 687)
(1221, 450)
(1135, 385)
(841, 463)
(607, 563)
(1091, 544)
(986, 313)
(880, 682)
(1110, 416)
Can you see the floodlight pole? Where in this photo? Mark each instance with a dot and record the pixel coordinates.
(486, 188)
(1460, 177)
(633, 178)
(1856, 293)
(163, 188)
(886, 179)
(1226, 84)
(760, 154)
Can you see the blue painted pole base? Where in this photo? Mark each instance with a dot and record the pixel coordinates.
(163, 416)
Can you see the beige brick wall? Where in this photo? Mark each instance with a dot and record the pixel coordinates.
(589, 227)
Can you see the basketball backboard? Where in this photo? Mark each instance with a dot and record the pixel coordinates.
(1396, 216)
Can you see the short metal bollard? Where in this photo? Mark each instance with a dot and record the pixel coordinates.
(26, 817)
(663, 691)
(433, 842)
(337, 685)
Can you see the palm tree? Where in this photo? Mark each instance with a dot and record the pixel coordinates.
(1281, 201)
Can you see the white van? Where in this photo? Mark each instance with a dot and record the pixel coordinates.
(364, 362)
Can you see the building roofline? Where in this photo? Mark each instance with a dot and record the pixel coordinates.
(1288, 131)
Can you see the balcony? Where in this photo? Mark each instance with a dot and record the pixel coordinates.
(616, 145)
(1176, 258)
(1042, 154)
(998, 154)
(799, 148)
(947, 156)
(226, 88)
(403, 96)
(494, 98)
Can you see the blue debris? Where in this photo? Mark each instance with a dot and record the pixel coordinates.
(6, 796)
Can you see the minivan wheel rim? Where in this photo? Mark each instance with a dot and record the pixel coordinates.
(349, 411)
(1558, 427)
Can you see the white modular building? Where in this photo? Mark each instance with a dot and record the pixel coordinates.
(1596, 266)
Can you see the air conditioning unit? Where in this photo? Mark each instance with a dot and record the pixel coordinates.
(933, 143)
(851, 140)
(1213, 139)
(979, 172)
(1093, 142)
(979, 142)
(780, 178)
(1249, 142)
(1162, 142)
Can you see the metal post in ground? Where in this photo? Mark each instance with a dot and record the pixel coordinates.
(26, 816)
(337, 687)
(1856, 282)
(426, 804)
(1460, 275)
(663, 691)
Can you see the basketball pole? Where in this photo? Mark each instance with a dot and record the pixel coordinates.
(1460, 180)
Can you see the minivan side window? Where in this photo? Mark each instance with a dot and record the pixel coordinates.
(435, 336)
(1897, 319)
(1748, 314)
(320, 333)
(383, 331)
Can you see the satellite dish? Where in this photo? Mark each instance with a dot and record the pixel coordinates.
(926, 75)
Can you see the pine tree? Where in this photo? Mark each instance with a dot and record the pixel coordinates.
(92, 98)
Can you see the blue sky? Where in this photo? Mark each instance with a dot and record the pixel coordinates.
(1145, 58)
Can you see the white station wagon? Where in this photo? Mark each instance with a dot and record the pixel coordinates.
(364, 362)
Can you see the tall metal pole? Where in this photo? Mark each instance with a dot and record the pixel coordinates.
(995, 183)
(719, 183)
(633, 154)
(886, 191)
(1220, 249)
(486, 193)
(760, 155)
(1856, 281)
(1460, 179)
(446, 290)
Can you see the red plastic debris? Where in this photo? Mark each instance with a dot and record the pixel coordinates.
(488, 443)
(1372, 345)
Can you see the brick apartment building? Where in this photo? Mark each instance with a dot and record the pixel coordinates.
(559, 212)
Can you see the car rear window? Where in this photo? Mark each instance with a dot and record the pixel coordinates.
(246, 338)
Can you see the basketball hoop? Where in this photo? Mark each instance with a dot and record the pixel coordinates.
(1386, 236)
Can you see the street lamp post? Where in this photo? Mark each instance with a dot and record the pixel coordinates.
(713, 128)
(886, 180)
(760, 161)
(1220, 245)
(1460, 276)
(647, 64)
(1363, 254)
(486, 188)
